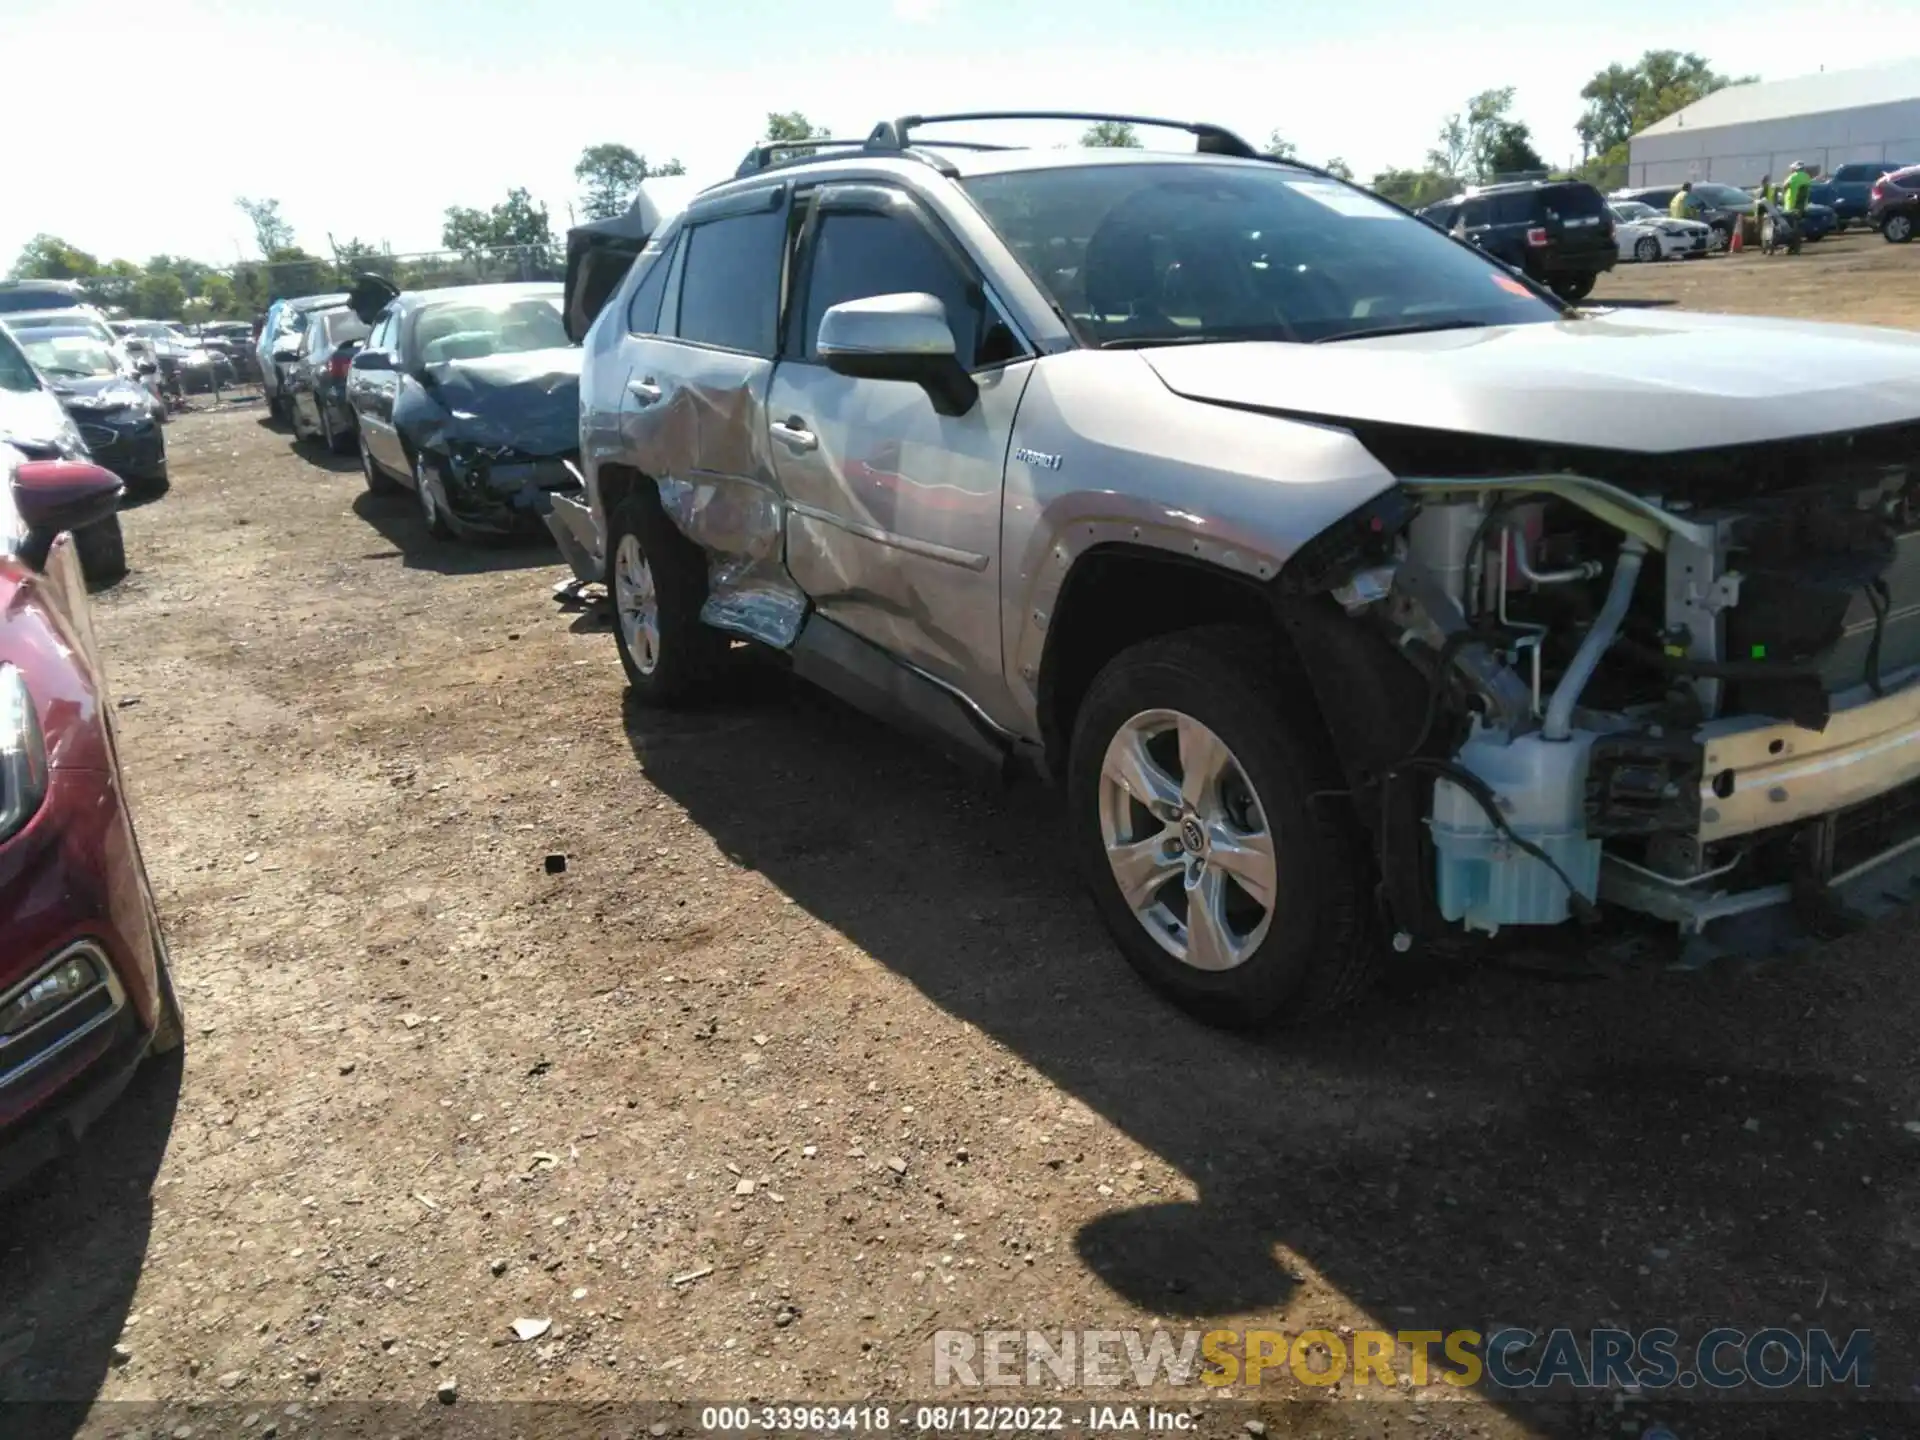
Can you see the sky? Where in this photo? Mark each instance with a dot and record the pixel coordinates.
(135, 125)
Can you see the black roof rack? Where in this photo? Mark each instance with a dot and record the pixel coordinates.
(768, 153)
(1211, 139)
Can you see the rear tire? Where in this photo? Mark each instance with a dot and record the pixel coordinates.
(1897, 229)
(1575, 288)
(1314, 951)
(337, 442)
(378, 481)
(102, 548)
(656, 583)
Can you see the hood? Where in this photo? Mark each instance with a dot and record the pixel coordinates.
(1617, 380)
(527, 402)
(101, 392)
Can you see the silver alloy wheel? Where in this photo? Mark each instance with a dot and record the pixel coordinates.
(1646, 249)
(1898, 228)
(423, 487)
(637, 603)
(1187, 840)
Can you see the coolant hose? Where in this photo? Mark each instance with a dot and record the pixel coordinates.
(1626, 571)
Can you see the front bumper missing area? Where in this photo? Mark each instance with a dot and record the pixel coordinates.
(1859, 779)
(1760, 774)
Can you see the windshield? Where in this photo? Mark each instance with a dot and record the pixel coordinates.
(154, 330)
(1629, 211)
(68, 354)
(1146, 254)
(67, 323)
(466, 330)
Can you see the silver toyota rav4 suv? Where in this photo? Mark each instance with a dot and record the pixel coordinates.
(1362, 596)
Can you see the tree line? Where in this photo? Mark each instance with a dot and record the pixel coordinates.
(514, 238)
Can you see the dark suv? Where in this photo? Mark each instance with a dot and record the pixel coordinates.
(1853, 186)
(1558, 232)
(1895, 208)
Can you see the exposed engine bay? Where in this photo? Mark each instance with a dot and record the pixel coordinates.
(1682, 684)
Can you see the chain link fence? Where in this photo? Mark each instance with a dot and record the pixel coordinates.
(258, 283)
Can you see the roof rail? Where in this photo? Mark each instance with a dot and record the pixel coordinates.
(768, 153)
(1211, 139)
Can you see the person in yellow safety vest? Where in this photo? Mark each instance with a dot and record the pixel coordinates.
(1794, 193)
(1682, 203)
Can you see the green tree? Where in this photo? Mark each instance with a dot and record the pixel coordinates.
(1413, 188)
(216, 295)
(792, 125)
(611, 174)
(270, 231)
(1281, 148)
(1110, 135)
(1623, 100)
(515, 222)
(1337, 166)
(48, 257)
(112, 285)
(159, 295)
(1481, 142)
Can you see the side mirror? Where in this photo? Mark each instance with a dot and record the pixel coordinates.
(898, 337)
(373, 360)
(56, 495)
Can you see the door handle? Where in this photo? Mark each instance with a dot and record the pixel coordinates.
(793, 433)
(645, 391)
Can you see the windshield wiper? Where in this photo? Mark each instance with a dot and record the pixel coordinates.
(1152, 342)
(1425, 327)
(64, 370)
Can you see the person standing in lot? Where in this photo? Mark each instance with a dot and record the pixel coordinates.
(1792, 206)
(1681, 206)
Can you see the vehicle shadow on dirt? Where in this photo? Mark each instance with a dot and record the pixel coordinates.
(1476, 1150)
(77, 1233)
(323, 460)
(397, 518)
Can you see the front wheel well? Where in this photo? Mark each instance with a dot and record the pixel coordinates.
(1117, 596)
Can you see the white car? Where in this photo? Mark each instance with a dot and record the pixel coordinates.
(1643, 233)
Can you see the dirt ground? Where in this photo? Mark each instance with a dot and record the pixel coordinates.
(814, 1047)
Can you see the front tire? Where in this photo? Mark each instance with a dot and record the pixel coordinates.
(1192, 780)
(170, 1030)
(656, 584)
(1646, 249)
(432, 510)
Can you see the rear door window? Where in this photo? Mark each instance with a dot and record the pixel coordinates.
(730, 291)
(1514, 208)
(643, 311)
(1474, 214)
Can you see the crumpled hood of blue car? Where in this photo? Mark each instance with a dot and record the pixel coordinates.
(527, 402)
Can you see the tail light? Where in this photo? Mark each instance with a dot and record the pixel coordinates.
(1537, 236)
(337, 366)
(1879, 189)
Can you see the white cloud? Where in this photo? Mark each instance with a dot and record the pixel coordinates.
(918, 12)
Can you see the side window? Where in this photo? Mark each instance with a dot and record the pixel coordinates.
(1513, 209)
(1474, 213)
(857, 255)
(643, 312)
(730, 289)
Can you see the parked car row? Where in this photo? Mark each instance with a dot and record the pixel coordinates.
(466, 396)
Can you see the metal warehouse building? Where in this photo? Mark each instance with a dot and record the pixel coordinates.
(1736, 135)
